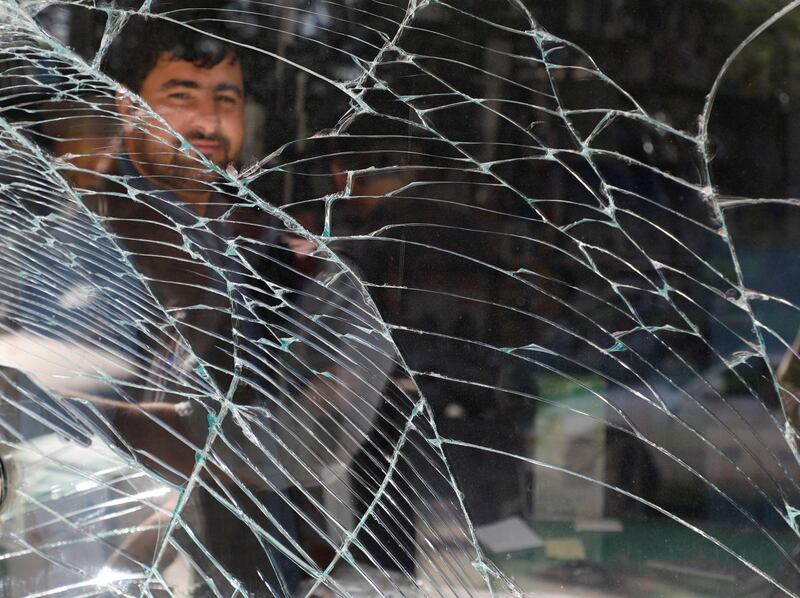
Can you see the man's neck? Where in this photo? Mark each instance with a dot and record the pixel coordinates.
(196, 198)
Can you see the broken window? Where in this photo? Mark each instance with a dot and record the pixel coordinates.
(423, 298)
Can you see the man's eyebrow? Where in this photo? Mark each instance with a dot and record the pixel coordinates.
(180, 83)
(229, 87)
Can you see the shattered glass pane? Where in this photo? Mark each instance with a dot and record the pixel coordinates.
(360, 297)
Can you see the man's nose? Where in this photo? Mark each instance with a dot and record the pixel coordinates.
(207, 117)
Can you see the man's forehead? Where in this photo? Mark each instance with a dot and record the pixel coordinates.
(168, 68)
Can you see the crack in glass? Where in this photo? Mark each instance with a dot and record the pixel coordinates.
(381, 298)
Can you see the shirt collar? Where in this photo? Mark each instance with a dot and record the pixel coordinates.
(164, 200)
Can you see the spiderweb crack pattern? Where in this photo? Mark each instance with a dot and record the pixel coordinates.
(445, 263)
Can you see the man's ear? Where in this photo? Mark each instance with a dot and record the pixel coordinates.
(338, 173)
(125, 109)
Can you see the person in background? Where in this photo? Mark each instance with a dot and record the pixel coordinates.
(155, 310)
(388, 538)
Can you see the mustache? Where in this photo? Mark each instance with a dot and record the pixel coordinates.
(193, 136)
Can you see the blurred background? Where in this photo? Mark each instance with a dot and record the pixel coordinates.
(608, 382)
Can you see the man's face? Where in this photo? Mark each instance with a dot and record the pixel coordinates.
(204, 105)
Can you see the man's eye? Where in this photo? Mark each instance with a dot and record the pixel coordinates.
(227, 99)
(180, 96)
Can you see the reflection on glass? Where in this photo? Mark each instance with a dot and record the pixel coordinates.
(398, 298)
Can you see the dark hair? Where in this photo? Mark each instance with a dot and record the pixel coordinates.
(137, 48)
